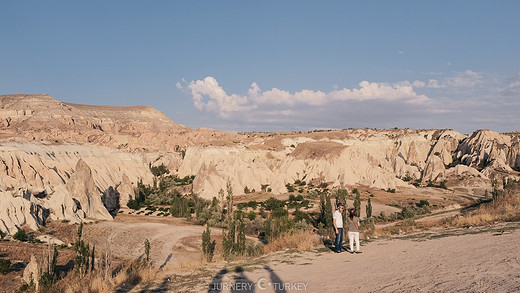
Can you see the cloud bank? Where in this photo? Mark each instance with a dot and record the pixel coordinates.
(455, 101)
(209, 96)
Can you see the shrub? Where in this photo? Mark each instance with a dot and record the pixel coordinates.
(273, 204)
(263, 187)
(323, 185)
(253, 227)
(133, 204)
(21, 235)
(423, 202)
(159, 170)
(289, 187)
(254, 250)
(251, 215)
(407, 177)
(5, 266)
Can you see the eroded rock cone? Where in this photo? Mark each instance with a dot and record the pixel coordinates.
(82, 188)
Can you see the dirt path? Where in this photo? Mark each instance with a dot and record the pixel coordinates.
(170, 244)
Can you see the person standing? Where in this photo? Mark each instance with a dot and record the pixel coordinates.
(353, 230)
(337, 220)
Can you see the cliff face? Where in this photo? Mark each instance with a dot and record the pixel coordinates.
(47, 148)
(375, 158)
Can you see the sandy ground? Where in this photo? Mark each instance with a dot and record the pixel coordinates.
(468, 260)
(481, 262)
(169, 244)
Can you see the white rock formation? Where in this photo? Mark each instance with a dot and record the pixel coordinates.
(31, 273)
(16, 211)
(126, 191)
(82, 188)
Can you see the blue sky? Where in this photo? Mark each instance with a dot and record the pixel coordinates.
(274, 65)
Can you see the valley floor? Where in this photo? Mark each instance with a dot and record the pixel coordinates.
(468, 260)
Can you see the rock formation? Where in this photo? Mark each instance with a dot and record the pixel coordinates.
(82, 188)
(125, 190)
(67, 156)
(31, 273)
(17, 211)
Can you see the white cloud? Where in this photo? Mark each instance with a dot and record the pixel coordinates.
(219, 101)
(380, 91)
(467, 78)
(447, 100)
(514, 85)
(209, 96)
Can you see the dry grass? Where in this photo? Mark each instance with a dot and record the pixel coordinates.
(505, 208)
(305, 240)
(188, 265)
(130, 274)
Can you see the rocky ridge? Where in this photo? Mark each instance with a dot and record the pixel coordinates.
(71, 162)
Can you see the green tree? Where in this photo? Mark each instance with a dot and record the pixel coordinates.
(277, 223)
(180, 207)
(82, 253)
(229, 200)
(341, 197)
(357, 205)
(241, 239)
(369, 209)
(328, 212)
(322, 209)
(49, 276)
(206, 244)
(147, 249)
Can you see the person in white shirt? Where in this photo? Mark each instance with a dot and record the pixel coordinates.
(337, 220)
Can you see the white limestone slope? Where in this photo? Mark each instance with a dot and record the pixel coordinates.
(371, 157)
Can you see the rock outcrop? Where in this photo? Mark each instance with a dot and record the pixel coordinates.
(125, 190)
(17, 211)
(31, 273)
(75, 161)
(82, 188)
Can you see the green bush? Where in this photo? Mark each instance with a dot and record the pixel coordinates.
(251, 215)
(273, 204)
(5, 266)
(21, 235)
(133, 204)
(289, 187)
(159, 170)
